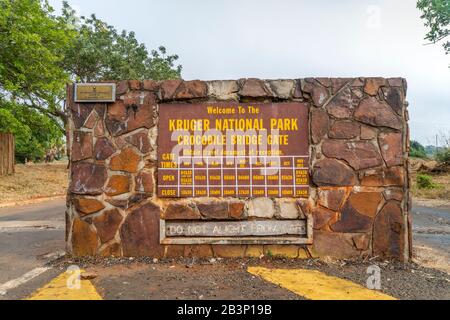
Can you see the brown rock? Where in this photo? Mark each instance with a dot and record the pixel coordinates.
(391, 145)
(393, 194)
(135, 84)
(389, 232)
(174, 251)
(179, 211)
(345, 130)
(336, 245)
(394, 97)
(84, 239)
(320, 124)
(169, 87)
(322, 218)
(144, 182)
(123, 118)
(229, 251)
(191, 90)
(138, 98)
(87, 206)
(103, 149)
(135, 199)
(368, 133)
(361, 241)
(122, 87)
(352, 221)
(341, 106)
(198, 251)
(213, 209)
(140, 233)
(339, 83)
(151, 85)
(81, 146)
(331, 199)
(373, 85)
(375, 113)
(90, 122)
(127, 161)
(237, 209)
(366, 203)
(99, 129)
(359, 154)
(254, 88)
(112, 250)
(87, 178)
(80, 113)
(319, 95)
(118, 185)
(331, 172)
(141, 141)
(107, 224)
(385, 177)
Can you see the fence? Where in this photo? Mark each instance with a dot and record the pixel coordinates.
(7, 152)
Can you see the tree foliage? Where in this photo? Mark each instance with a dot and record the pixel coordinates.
(40, 52)
(417, 150)
(101, 53)
(436, 14)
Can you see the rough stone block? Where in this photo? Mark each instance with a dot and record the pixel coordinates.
(223, 90)
(107, 224)
(378, 114)
(331, 198)
(117, 185)
(140, 232)
(141, 141)
(288, 210)
(215, 210)
(358, 154)
(127, 161)
(345, 130)
(182, 211)
(144, 182)
(320, 124)
(84, 239)
(391, 145)
(87, 178)
(331, 172)
(254, 88)
(336, 245)
(87, 206)
(282, 89)
(81, 146)
(262, 208)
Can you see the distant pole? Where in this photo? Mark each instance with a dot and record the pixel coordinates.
(437, 151)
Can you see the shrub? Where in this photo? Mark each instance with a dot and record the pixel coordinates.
(417, 150)
(444, 156)
(425, 182)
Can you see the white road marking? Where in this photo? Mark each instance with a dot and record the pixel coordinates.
(30, 225)
(4, 288)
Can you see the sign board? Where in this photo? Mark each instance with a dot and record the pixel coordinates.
(95, 92)
(236, 229)
(233, 150)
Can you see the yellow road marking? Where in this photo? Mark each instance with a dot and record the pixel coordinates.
(315, 285)
(58, 289)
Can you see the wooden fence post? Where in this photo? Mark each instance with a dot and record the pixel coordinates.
(7, 154)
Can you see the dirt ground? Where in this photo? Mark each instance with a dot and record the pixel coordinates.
(34, 181)
(228, 279)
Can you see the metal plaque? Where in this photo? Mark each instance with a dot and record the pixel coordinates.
(95, 92)
(233, 150)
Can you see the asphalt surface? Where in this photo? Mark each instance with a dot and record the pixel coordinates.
(30, 237)
(33, 235)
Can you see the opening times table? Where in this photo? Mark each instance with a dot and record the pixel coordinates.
(241, 177)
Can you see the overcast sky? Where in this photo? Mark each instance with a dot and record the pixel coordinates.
(274, 39)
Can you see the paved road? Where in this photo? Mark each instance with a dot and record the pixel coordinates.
(31, 235)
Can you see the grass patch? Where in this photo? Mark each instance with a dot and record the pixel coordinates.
(431, 186)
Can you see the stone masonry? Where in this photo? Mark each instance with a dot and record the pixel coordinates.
(359, 199)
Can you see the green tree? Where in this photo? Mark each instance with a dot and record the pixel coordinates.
(417, 150)
(34, 132)
(40, 52)
(436, 14)
(32, 45)
(101, 53)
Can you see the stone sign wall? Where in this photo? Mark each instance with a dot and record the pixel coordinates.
(358, 202)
